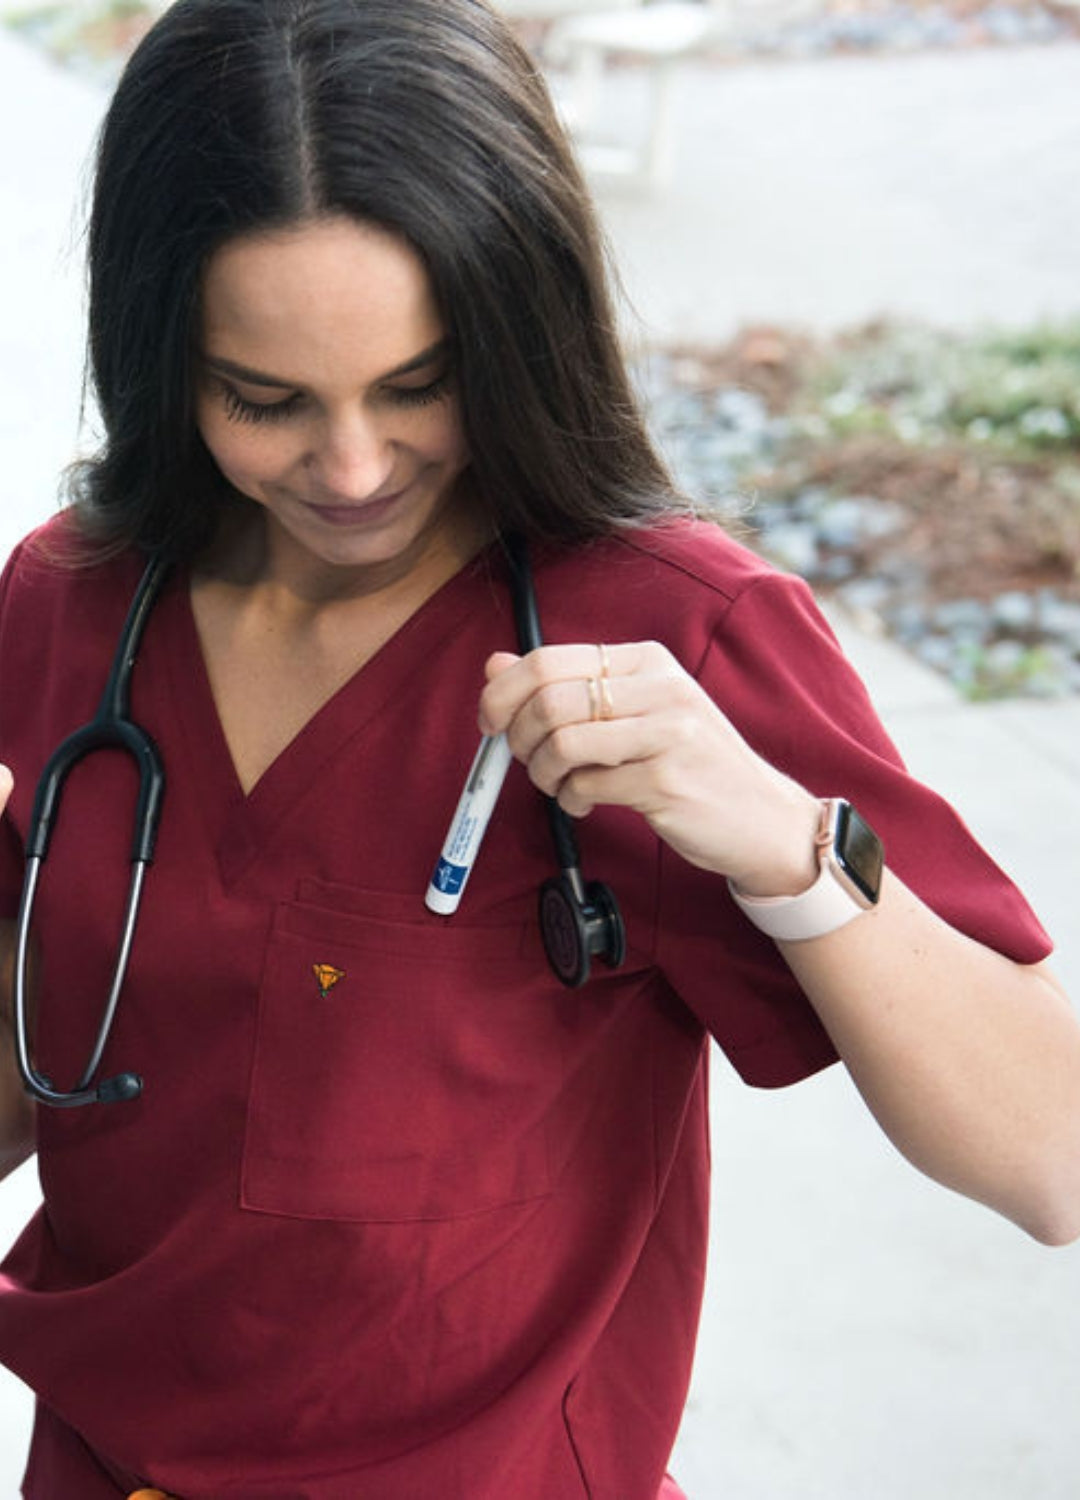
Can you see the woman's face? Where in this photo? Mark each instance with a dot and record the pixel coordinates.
(325, 392)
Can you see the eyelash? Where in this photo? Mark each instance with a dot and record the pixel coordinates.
(237, 409)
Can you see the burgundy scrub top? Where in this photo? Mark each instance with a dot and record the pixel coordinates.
(397, 1215)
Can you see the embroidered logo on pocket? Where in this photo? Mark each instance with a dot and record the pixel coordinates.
(327, 978)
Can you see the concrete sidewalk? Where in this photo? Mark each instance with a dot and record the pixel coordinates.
(867, 1336)
(939, 185)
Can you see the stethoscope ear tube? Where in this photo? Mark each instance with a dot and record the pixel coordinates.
(108, 1090)
(579, 921)
(110, 728)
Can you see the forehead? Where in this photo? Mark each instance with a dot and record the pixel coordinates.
(322, 290)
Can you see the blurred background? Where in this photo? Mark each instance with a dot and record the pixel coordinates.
(848, 234)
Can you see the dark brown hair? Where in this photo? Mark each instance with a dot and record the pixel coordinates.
(423, 116)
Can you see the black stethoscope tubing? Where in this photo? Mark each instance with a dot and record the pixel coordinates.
(579, 920)
(111, 728)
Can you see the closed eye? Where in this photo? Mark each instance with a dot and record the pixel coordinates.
(239, 409)
(420, 395)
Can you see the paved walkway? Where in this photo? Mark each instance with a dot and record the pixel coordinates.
(867, 1336)
(939, 186)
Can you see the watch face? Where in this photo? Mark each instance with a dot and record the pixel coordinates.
(858, 852)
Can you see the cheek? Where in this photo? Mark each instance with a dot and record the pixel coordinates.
(215, 433)
(448, 440)
(237, 451)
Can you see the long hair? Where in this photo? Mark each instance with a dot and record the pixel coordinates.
(424, 117)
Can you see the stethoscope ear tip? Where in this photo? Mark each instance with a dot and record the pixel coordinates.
(118, 1090)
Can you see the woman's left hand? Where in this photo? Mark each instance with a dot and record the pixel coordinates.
(625, 725)
(970, 1061)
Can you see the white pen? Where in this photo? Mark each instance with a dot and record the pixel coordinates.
(469, 824)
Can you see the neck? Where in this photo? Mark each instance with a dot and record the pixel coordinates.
(253, 555)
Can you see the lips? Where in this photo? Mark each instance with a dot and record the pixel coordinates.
(362, 514)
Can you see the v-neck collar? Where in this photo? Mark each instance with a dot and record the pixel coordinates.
(238, 823)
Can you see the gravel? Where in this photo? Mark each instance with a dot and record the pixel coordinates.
(878, 26)
(1014, 642)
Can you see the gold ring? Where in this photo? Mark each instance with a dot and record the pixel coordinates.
(592, 687)
(607, 706)
(605, 662)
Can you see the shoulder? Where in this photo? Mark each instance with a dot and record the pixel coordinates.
(751, 635)
(686, 583)
(58, 553)
(696, 559)
(697, 556)
(56, 583)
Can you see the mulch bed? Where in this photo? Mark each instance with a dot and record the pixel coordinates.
(979, 524)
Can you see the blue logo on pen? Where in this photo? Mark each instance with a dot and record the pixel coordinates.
(449, 878)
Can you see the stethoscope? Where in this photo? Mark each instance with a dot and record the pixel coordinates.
(579, 920)
(111, 728)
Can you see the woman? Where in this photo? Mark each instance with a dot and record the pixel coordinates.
(389, 1210)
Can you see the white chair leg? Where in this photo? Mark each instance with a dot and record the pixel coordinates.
(586, 76)
(657, 150)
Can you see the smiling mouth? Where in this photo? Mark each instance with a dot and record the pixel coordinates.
(354, 513)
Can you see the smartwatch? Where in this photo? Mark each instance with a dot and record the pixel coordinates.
(852, 860)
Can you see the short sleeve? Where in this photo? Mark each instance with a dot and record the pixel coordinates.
(11, 852)
(774, 666)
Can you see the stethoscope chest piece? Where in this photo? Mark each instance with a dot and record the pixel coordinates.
(579, 919)
(578, 926)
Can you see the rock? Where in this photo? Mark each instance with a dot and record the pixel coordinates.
(793, 546)
(1013, 611)
(742, 411)
(721, 441)
(835, 569)
(1058, 617)
(840, 523)
(809, 503)
(909, 622)
(939, 652)
(968, 618)
(865, 595)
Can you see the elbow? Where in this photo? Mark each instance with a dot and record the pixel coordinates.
(1051, 1214)
(1055, 1226)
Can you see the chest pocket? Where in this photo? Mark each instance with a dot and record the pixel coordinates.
(404, 1069)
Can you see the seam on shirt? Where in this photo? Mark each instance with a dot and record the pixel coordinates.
(695, 669)
(568, 1426)
(714, 639)
(768, 573)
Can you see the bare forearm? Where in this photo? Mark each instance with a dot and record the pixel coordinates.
(971, 1063)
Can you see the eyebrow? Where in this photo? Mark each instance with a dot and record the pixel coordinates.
(249, 376)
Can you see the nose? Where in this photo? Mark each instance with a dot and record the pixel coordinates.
(352, 458)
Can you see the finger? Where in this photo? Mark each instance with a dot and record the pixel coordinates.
(499, 662)
(599, 786)
(604, 701)
(7, 781)
(673, 741)
(511, 687)
(578, 701)
(645, 784)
